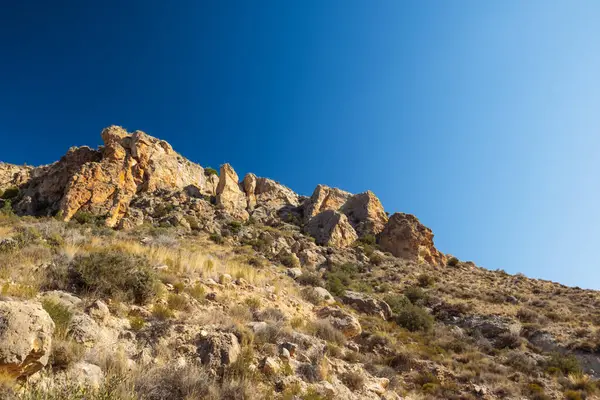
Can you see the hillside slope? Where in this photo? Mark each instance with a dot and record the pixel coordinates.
(131, 272)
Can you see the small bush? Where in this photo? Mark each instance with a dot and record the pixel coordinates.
(309, 279)
(397, 302)
(452, 262)
(353, 380)
(83, 218)
(425, 280)
(564, 363)
(65, 353)
(415, 295)
(527, 315)
(161, 312)
(208, 171)
(216, 238)
(197, 291)
(177, 302)
(324, 330)
(136, 323)
(60, 314)
(290, 260)
(10, 193)
(414, 318)
(113, 274)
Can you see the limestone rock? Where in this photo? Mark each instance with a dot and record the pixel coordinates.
(405, 237)
(229, 195)
(25, 338)
(324, 198)
(250, 188)
(319, 294)
(218, 349)
(365, 213)
(83, 329)
(99, 311)
(63, 298)
(86, 374)
(331, 228)
(12, 176)
(367, 304)
(341, 320)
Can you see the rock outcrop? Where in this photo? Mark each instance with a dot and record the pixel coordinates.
(324, 198)
(103, 182)
(367, 304)
(12, 176)
(331, 228)
(341, 320)
(229, 195)
(405, 237)
(25, 338)
(365, 213)
(218, 349)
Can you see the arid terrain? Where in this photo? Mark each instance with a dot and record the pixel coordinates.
(130, 272)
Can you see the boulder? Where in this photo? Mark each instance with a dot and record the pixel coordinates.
(218, 349)
(86, 374)
(324, 198)
(25, 338)
(311, 258)
(321, 295)
(65, 299)
(365, 213)
(229, 195)
(367, 304)
(341, 320)
(405, 237)
(83, 329)
(99, 311)
(331, 228)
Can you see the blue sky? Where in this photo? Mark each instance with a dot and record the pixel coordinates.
(480, 117)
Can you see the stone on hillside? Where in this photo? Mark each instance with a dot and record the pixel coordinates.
(365, 213)
(229, 195)
(13, 176)
(218, 349)
(331, 228)
(83, 329)
(86, 374)
(319, 294)
(341, 320)
(249, 184)
(405, 237)
(367, 304)
(311, 258)
(99, 311)
(324, 198)
(63, 298)
(25, 338)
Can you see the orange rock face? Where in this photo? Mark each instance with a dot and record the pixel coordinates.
(365, 213)
(405, 237)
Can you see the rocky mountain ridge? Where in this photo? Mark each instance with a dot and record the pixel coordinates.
(129, 272)
(111, 182)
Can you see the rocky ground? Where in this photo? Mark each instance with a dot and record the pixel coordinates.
(130, 272)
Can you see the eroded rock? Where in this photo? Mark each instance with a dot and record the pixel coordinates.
(331, 228)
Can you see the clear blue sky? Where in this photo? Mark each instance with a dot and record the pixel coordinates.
(480, 117)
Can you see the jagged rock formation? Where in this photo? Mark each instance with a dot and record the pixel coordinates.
(229, 195)
(365, 213)
(331, 228)
(405, 237)
(136, 178)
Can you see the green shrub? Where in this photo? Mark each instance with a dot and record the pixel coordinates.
(234, 227)
(324, 330)
(162, 312)
(113, 274)
(10, 193)
(290, 260)
(84, 217)
(136, 323)
(340, 277)
(415, 294)
(60, 314)
(197, 291)
(425, 280)
(452, 262)
(309, 279)
(353, 380)
(216, 238)
(208, 171)
(177, 302)
(564, 363)
(414, 318)
(397, 302)
(6, 208)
